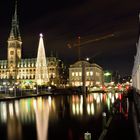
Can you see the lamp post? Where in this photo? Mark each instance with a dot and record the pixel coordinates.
(37, 89)
(83, 78)
(15, 89)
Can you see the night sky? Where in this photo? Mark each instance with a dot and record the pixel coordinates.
(62, 21)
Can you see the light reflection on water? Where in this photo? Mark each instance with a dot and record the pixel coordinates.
(42, 117)
(43, 113)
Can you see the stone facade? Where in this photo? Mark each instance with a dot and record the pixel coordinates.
(83, 72)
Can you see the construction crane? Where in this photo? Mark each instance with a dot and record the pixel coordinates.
(79, 44)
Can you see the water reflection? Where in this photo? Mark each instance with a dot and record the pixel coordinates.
(94, 103)
(44, 114)
(41, 108)
(3, 117)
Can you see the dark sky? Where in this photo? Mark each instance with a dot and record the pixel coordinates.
(62, 21)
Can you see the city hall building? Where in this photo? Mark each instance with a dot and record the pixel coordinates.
(15, 69)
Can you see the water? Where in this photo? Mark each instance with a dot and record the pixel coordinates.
(64, 117)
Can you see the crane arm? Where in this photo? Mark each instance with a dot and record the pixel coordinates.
(94, 40)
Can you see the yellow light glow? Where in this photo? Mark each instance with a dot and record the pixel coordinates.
(88, 108)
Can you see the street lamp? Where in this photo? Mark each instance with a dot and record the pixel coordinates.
(87, 58)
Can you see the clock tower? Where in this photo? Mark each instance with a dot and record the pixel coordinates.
(14, 46)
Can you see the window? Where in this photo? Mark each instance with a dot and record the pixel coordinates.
(11, 52)
(72, 73)
(87, 73)
(97, 74)
(91, 73)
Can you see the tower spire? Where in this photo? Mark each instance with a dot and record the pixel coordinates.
(15, 14)
(15, 33)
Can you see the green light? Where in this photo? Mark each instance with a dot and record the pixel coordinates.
(107, 74)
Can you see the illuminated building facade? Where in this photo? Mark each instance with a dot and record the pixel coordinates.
(136, 68)
(15, 69)
(84, 73)
(26, 70)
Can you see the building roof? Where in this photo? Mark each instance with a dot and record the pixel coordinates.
(86, 64)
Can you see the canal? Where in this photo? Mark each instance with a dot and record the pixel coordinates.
(59, 117)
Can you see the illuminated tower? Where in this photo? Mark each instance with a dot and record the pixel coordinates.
(14, 46)
(41, 76)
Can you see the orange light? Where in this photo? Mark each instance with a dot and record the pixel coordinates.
(103, 88)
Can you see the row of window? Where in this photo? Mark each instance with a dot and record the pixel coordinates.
(23, 70)
(80, 79)
(26, 70)
(3, 66)
(26, 65)
(88, 73)
(28, 76)
(23, 77)
(18, 77)
(77, 83)
(20, 65)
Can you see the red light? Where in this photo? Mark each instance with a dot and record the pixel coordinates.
(127, 87)
(119, 87)
(120, 96)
